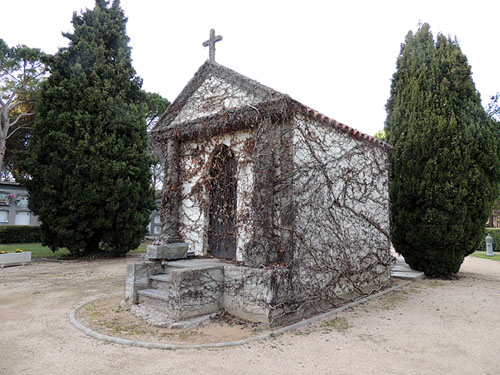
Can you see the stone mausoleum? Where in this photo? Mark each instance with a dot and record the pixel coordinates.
(270, 210)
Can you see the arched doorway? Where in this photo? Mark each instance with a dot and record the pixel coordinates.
(222, 207)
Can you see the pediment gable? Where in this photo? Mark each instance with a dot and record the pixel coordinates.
(213, 96)
(214, 89)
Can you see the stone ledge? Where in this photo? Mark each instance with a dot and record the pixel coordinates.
(170, 251)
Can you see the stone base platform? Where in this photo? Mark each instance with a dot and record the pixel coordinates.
(184, 289)
(187, 288)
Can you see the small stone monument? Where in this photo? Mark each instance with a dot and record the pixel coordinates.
(489, 246)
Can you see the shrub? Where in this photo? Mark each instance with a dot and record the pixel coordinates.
(19, 234)
(90, 180)
(445, 166)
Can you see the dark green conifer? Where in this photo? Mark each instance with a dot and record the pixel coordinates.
(445, 167)
(89, 165)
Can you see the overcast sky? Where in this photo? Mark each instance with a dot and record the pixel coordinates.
(337, 57)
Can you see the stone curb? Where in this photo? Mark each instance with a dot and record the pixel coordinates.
(153, 345)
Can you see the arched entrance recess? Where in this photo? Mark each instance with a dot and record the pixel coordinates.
(222, 207)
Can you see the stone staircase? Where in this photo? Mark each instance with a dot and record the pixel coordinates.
(186, 289)
(189, 289)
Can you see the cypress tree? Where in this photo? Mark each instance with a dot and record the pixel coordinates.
(445, 167)
(89, 165)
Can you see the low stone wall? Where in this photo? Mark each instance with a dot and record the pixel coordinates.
(250, 292)
(295, 298)
(190, 288)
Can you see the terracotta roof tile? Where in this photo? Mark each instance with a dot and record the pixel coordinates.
(342, 127)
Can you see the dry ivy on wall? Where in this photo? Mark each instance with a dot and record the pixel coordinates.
(312, 200)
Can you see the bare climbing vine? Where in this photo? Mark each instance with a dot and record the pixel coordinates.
(298, 197)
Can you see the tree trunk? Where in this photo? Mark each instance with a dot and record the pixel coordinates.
(4, 130)
(3, 141)
(92, 246)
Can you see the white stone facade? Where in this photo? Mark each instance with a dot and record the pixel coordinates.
(195, 167)
(214, 96)
(342, 208)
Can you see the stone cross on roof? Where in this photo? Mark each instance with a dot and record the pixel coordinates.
(211, 44)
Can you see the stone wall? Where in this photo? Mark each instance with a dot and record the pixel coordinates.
(342, 222)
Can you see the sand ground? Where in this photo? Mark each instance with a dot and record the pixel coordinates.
(427, 327)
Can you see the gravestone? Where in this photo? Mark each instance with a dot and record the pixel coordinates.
(489, 246)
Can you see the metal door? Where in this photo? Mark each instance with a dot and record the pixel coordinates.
(222, 210)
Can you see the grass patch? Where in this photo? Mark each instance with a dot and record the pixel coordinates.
(142, 248)
(39, 251)
(482, 254)
(390, 302)
(340, 324)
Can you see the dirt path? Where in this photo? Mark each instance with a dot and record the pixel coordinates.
(429, 327)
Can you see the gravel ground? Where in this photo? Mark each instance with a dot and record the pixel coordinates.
(428, 327)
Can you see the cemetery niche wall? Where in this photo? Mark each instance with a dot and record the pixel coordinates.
(14, 205)
(281, 212)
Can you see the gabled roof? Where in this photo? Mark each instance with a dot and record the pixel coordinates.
(268, 100)
(207, 70)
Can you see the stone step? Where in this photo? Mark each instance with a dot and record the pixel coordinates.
(155, 294)
(161, 277)
(157, 300)
(407, 275)
(194, 263)
(401, 268)
(176, 272)
(181, 304)
(162, 282)
(187, 289)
